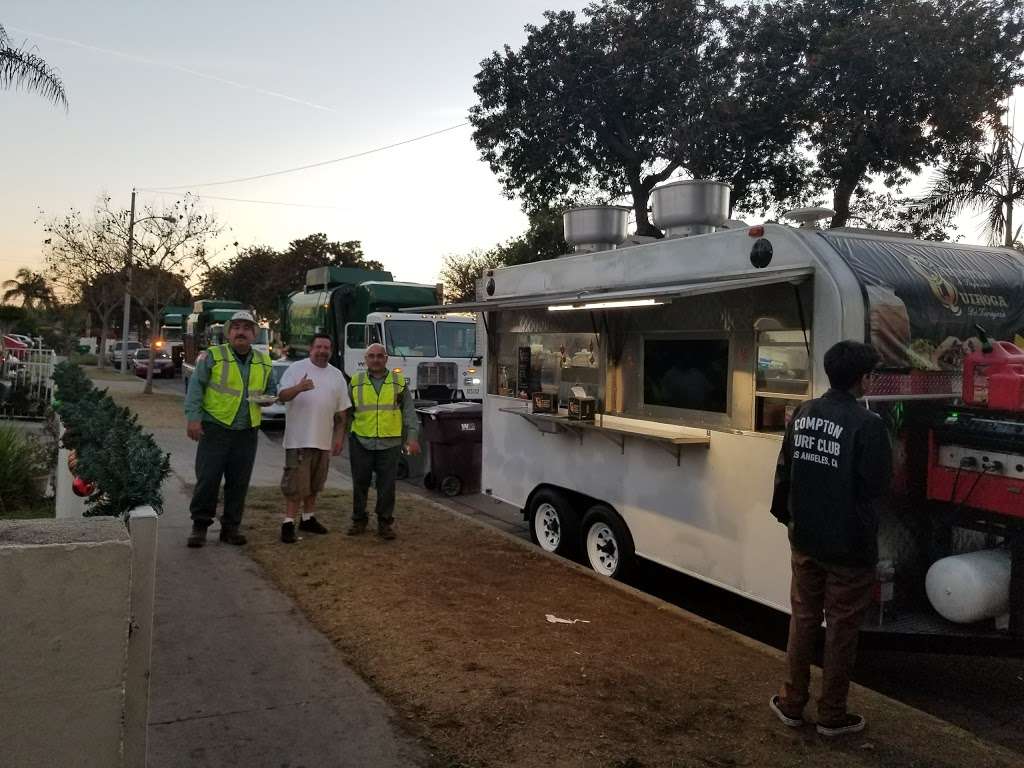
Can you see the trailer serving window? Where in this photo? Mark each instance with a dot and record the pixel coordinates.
(689, 374)
(410, 338)
(456, 339)
(783, 377)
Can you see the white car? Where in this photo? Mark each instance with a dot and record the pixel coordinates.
(273, 414)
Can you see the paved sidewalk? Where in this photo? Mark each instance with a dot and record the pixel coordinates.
(240, 678)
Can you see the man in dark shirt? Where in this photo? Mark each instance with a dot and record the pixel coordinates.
(835, 462)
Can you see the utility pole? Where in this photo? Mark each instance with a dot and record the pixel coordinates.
(128, 288)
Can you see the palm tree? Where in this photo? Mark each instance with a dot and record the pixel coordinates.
(30, 288)
(21, 67)
(991, 183)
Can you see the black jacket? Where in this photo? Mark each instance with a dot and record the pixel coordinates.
(836, 460)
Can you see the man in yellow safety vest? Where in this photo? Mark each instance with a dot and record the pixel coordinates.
(383, 407)
(224, 419)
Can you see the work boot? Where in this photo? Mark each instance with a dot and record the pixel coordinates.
(232, 536)
(357, 528)
(197, 538)
(288, 532)
(386, 531)
(311, 525)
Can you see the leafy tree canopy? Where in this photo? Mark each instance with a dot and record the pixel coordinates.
(261, 276)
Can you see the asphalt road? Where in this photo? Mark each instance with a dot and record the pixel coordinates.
(981, 693)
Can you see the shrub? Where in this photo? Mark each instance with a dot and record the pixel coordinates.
(22, 460)
(125, 463)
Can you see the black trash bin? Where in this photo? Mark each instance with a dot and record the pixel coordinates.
(414, 467)
(454, 432)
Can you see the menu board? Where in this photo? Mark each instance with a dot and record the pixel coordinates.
(925, 301)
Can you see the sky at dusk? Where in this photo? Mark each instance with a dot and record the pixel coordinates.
(171, 94)
(179, 94)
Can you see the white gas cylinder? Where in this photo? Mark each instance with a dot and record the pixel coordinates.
(970, 587)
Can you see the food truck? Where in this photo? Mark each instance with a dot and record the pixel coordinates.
(638, 393)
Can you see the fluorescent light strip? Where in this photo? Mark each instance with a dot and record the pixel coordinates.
(607, 305)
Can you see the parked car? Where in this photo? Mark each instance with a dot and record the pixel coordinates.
(114, 355)
(163, 366)
(273, 414)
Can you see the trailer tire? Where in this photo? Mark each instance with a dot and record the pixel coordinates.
(554, 522)
(606, 542)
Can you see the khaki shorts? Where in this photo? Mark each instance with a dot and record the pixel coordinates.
(305, 472)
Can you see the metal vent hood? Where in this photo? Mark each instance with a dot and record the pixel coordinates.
(595, 227)
(685, 208)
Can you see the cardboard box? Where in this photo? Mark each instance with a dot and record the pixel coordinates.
(582, 408)
(545, 402)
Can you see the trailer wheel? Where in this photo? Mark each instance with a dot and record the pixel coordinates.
(451, 486)
(607, 542)
(554, 523)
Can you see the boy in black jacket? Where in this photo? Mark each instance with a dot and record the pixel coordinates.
(835, 461)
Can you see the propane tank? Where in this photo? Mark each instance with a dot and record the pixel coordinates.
(970, 587)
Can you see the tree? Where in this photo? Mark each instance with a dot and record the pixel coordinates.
(262, 276)
(459, 273)
(625, 98)
(30, 288)
(887, 86)
(23, 68)
(543, 240)
(990, 182)
(171, 255)
(87, 259)
(885, 211)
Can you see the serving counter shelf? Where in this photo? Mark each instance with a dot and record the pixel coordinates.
(616, 429)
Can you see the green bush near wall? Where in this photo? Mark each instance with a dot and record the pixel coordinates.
(124, 463)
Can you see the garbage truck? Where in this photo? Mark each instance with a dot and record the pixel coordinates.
(206, 327)
(171, 337)
(435, 352)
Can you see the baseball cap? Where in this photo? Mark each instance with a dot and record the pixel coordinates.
(242, 315)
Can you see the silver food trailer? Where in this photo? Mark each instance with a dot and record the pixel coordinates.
(694, 350)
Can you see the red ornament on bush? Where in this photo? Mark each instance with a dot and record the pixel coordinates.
(82, 487)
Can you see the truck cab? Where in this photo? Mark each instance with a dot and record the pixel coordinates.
(435, 353)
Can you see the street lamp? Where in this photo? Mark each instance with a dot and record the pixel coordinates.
(126, 318)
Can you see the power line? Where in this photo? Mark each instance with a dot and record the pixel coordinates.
(322, 163)
(243, 200)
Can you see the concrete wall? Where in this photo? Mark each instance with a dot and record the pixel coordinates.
(67, 591)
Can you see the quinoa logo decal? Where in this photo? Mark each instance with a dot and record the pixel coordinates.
(923, 301)
(941, 285)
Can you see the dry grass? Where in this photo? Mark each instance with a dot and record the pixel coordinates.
(157, 410)
(448, 622)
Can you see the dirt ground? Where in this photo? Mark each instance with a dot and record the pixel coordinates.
(448, 622)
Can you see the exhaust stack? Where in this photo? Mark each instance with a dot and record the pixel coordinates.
(595, 227)
(685, 208)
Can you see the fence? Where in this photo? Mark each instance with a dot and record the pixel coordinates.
(26, 382)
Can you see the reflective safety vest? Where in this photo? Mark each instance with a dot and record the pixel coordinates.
(223, 396)
(377, 415)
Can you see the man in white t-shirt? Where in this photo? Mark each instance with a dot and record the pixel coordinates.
(316, 422)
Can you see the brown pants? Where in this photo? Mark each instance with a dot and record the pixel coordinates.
(842, 594)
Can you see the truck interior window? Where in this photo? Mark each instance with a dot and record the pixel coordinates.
(355, 336)
(410, 338)
(689, 374)
(783, 377)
